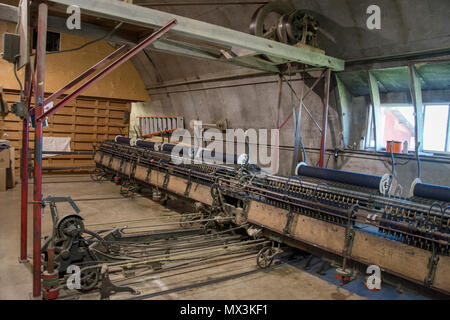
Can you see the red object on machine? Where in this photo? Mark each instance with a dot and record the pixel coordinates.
(50, 284)
(397, 146)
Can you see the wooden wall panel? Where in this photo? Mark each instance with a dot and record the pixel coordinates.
(85, 121)
(124, 83)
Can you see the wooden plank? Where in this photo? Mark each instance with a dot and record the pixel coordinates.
(321, 233)
(157, 178)
(268, 216)
(394, 257)
(442, 278)
(398, 257)
(115, 165)
(140, 173)
(177, 185)
(201, 193)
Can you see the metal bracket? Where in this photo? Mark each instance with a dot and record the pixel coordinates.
(108, 288)
(121, 165)
(349, 232)
(188, 185)
(166, 180)
(147, 177)
(290, 215)
(290, 218)
(246, 207)
(432, 266)
(349, 239)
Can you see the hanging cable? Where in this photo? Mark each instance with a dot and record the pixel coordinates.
(419, 169)
(393, 169)
(17, 78)
(109, 34)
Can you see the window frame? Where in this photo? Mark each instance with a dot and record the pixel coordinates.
(370, 130)
(447, 137)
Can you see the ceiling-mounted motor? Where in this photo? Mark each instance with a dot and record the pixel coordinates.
(301, 28)
(279, 22)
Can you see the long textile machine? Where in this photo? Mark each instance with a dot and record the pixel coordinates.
(345, 215)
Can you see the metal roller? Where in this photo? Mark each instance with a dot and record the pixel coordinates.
(213, 155)
(431, 191)
(167, 147)
(122, 140)
(347, 177)
(145, 144)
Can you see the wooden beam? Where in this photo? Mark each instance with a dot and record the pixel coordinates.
(376, 111)
(416, 96)
(150, 18)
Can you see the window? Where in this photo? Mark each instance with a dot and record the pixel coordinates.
(398, 124)
(53, 41)
(436, 128)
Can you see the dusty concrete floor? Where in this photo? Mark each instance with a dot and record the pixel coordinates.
(285, 282)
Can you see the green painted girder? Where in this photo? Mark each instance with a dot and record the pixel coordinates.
(376, 110)
(58, 24)
(416, 95)
(195, 51)
(150, 18)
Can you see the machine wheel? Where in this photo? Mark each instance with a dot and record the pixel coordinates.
(70, 226)
(89, 279)
(265, 257)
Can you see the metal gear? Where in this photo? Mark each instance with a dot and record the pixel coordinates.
(70, 226)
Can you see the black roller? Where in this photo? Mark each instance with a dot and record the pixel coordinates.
(433, 192)
(167, 147)
(123, 140)
(347, 177)
(183, 150)
(226, 158)
(145, 144)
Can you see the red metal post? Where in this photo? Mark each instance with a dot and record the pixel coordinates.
(113, 66)
(24, 167)
(39, 100)
(326, 99)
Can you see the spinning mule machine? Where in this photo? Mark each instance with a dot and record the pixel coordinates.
(345, 216)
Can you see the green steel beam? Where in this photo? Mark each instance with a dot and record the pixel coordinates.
(58, 24)
(195, 51)
(150, 18)
(416, 95)
(376, 110)
(345, 110)
(447, 138)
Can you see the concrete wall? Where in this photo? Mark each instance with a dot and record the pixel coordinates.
(254, 106)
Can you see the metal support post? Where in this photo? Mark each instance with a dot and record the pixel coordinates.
(326, 97)
(39, 100)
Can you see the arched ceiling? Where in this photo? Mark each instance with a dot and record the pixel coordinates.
(407, 26)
